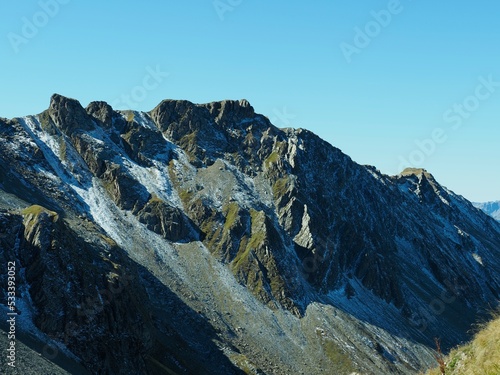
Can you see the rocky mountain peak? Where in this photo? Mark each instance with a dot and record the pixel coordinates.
(69, 115)
(179, 117)
(101, 111)
(230, 111)
(415, 172)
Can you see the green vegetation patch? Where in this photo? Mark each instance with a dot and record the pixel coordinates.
(243, 363)
(155, 199)
(37, 210)
(127, 136)
(46, 123)
(272, 158)
(255, 241)
(341, 361)
(62, 149)
(280, 187)
(189, 143)
(231, 213)
(220, 230)
(109, 241)
(185, 196)
(480, 356)
(171, 173)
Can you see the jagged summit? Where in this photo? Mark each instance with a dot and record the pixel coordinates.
(421, 174)
(58, 99)
(414, 171)
(222, 114)
(68, 114)
(220, 110)
(189, 117)
(233, 108)
(243, 247)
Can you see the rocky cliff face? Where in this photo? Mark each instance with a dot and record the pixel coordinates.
(243, 248)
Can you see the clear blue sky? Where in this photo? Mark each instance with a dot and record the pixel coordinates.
(288, 60)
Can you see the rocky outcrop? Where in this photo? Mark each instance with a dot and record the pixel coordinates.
(166, 220)
(102, 112)
(97, 302)
(257, 263)
(249, 243)
(190, 126)
(95, 155)
(68, 115)
(227, 113)
(228, 129)
(144, 144)
(126, 192)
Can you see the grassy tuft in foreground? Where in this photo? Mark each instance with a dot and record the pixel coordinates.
(480, 356)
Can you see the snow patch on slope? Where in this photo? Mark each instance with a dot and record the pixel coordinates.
(490, 208)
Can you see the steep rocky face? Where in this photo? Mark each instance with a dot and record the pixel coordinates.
(214, 208)
(90, 302)
(346, 223)
(103, 112)
(166, 220)
(91, 299)
(68, 115)
(227, 129)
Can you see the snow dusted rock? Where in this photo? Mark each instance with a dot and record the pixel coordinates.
(491, 208)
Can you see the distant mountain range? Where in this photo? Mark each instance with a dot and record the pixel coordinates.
(491, 208)
(202, 239)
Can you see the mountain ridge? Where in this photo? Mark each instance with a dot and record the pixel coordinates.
(285, 221)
